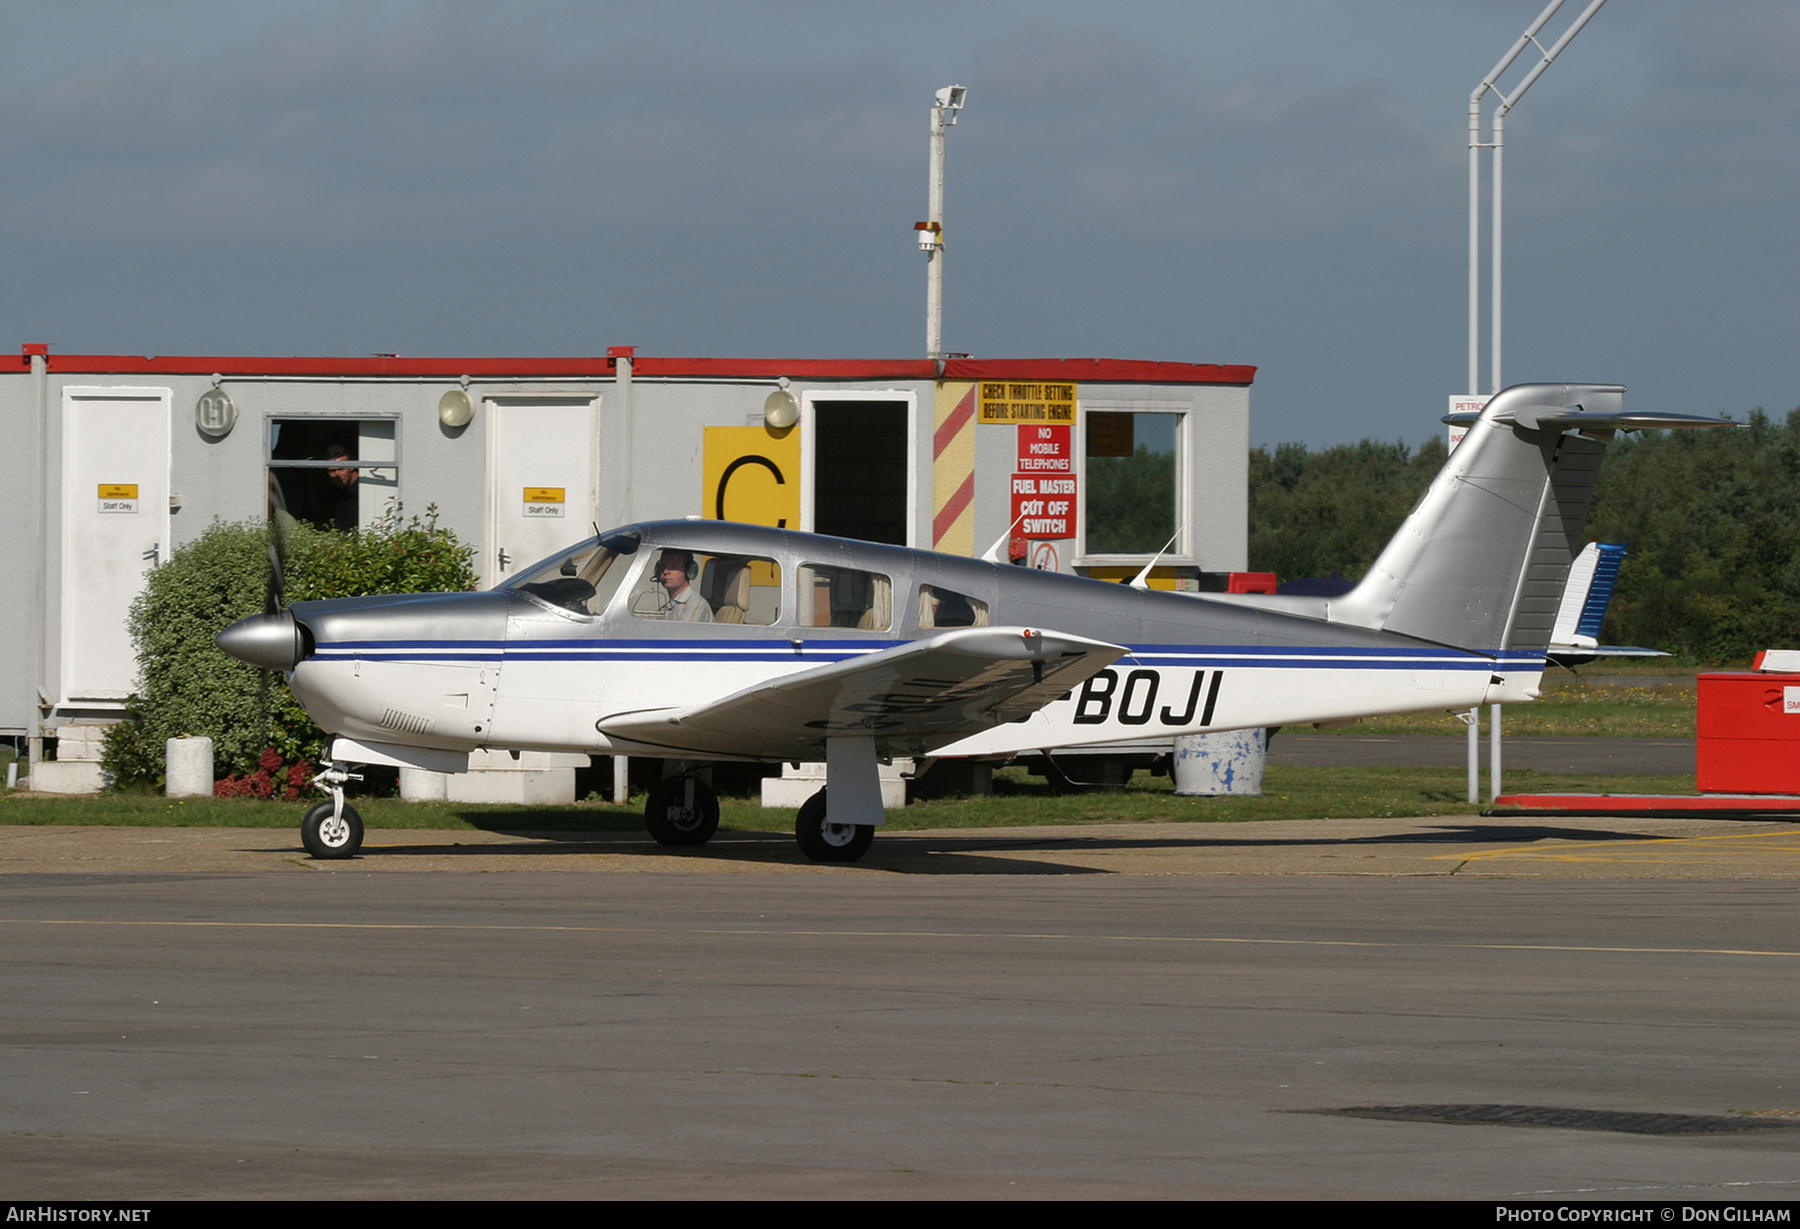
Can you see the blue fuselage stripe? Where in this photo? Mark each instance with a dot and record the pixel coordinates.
(1210, 657)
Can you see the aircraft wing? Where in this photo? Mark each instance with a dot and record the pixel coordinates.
(910, 698)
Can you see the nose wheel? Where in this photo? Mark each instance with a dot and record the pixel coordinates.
(682, 811)
(332, 830)
(331, 836)
(823, 841)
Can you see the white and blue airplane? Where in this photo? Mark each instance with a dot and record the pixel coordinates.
(819, 648)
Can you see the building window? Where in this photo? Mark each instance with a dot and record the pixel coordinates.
(335, 473)
(1133, 482)
(860, 468)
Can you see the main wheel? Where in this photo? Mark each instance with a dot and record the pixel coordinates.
(673, 820)
(823, 841)
(326, 837)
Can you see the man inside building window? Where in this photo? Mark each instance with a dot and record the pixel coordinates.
(345, 513)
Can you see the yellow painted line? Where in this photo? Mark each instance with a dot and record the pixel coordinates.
(919, 934)
(1562, 850)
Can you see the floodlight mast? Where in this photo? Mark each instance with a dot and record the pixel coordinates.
(944, 109)
(1498, 127)
(1506, 103)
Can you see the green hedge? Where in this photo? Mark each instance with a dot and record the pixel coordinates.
(187, 686)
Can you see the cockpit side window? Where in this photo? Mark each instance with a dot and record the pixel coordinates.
(844, 597)
(685, 586)
(939, 607)
(582, 580)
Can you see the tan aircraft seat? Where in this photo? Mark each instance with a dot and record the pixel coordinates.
(725, 584)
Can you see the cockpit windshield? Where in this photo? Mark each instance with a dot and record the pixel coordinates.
(581, 579)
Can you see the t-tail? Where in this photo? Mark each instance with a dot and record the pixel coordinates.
(1482, 560)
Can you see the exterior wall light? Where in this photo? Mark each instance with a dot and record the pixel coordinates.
(780, 409)
(455, 409)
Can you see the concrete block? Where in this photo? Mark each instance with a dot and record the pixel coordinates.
(423, 785)
(189, 767)
(531, 788)
(80, 741)
(67, 777)
(795, 785)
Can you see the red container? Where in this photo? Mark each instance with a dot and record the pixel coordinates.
(1749, 734)
(1251, 582)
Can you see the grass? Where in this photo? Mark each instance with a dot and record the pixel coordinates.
(1018, 800)
(1648, 702)
(1569, 707)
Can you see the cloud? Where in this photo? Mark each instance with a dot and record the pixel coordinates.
(1191, 182)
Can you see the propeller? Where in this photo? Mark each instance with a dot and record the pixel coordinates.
(277, 587)
(271, 640)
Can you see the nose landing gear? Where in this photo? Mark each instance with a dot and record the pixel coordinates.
(333, 830)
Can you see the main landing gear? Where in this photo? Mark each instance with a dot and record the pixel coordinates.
(682, 811)
(823, 841)
(332, 830)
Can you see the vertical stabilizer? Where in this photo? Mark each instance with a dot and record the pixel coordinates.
(1481, 561)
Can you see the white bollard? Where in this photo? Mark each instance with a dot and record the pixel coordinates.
(1230, 762)
(189, 766)
(423, 785)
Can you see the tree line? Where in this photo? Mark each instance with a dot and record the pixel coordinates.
(1711, 520)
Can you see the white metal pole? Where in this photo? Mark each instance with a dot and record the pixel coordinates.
(1494, 753)
(934, 257)
(1506, 104)
(1473, 718)
(1474, 384)
(622, 368)
(1475, 148)
(1494, 244)
(37, 535)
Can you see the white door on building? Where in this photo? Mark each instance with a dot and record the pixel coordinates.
(115, 528)
(540, 479)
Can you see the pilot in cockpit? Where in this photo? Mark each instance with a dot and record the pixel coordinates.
(675, 571)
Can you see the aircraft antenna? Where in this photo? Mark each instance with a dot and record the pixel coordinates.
(992, 553)
(1143, 577)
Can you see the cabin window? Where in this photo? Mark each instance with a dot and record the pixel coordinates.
(683, 586)
(844, 597)
(940, 607)
(1133, 483)
(336, 473)
(582, 580)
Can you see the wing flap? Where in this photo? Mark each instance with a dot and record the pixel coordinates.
(910, 698)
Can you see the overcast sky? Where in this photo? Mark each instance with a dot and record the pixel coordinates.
(1281, 184)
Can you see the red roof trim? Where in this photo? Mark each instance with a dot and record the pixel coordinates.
(1084, 370)
(1098, 371)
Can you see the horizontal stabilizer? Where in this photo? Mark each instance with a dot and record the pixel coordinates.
(910, 699)
(1559, 418)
